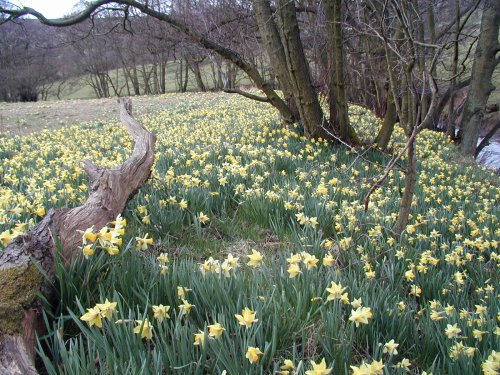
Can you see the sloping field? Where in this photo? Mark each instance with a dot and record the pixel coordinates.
(25, 118)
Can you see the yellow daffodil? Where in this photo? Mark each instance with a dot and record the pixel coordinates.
(88, 250)
(390, 347)
(92, 317)
(107, 308)
(310, 261)
(181, 292)
(183, 204)
(293, 270)
(161, 312)
(255, 259)
(360, 315)
(247, 317)
(287, 365)
(328, 260)
(203, 218)
(319, 368)
(452, 331)
(253, 354)
(162, 258)
(144, 329)
(199, 338)
(185, 307)
(142, 243)
(215, 330)
(335, 291)
(294, 259)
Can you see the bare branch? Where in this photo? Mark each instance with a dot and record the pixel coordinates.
(246, 94)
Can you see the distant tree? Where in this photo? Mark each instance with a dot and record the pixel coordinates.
(25, 62)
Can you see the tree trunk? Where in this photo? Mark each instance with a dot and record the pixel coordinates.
(156, 80)
(186, 76)
(135, 82)
(339, 115)
(21, 280)
(450, 126)
(163, 73)
(179, 75)
(274, 48)
(306, 98)
(482, 71)
(195, 68)
(409, 190)
(385, 132)
(146, 77)
(421, 59)
(127, 85)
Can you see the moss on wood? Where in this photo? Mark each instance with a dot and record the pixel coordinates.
(20, 285)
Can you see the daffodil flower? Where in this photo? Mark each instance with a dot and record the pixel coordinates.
(253, 354)
(247, 317)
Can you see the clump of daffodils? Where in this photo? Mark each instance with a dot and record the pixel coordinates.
(108, 238)
(94, 315)
(226, 267)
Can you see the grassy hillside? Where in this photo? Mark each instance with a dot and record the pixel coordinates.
(80, 88)
(25, 118)
(249, 251)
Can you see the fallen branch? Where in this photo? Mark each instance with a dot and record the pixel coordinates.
(20, 277)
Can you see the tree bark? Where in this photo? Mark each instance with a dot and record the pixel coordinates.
(306, 98)
(482, 70)
(195, 68)
(163, 73)
(135, 81)
(339, 115)
(385, 132)
(452, 116)
(186, 76)
(409, 189)
(272, 43)
(421, 58)
(21, 280)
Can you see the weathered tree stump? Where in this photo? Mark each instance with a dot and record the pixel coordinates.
(21, 280)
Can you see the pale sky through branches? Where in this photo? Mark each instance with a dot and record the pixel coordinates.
(49, 8)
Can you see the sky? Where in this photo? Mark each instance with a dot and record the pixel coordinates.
(49, 8)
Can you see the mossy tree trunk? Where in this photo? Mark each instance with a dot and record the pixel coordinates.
(21, 279)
